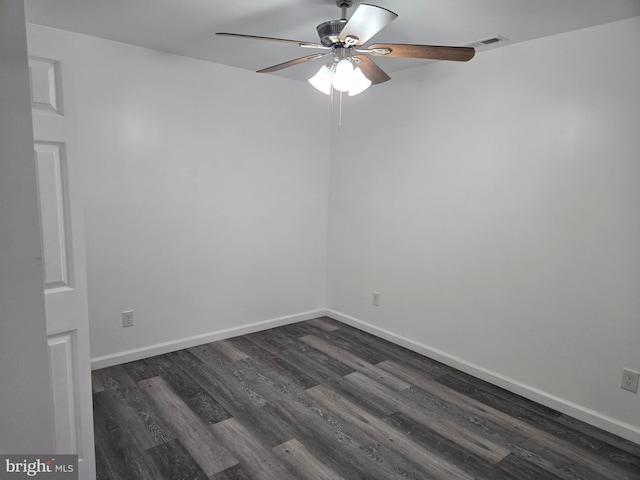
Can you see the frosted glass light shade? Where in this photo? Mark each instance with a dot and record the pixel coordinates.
(343, 76)
(322, 80)
(359, 84)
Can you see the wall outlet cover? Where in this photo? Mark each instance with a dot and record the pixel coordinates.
(630, 380)
(127, 319)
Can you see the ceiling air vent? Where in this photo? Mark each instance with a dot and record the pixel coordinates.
(487, 42)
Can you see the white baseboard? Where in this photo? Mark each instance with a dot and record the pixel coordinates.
(172, 346)
(609, 424)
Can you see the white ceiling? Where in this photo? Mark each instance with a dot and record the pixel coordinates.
(187, 27)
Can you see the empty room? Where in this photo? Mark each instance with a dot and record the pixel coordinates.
(321, 239)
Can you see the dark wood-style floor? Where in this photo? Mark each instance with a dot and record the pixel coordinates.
(320, 400)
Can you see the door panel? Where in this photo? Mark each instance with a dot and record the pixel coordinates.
(66, 415)
(54, 211)
(45, 85)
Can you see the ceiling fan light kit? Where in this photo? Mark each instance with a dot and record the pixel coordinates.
(341, 74)
(342, 39)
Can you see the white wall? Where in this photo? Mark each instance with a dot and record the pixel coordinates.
(205, 194)
(26, 415)
(495, 205)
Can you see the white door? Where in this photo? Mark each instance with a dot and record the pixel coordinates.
(64, 255)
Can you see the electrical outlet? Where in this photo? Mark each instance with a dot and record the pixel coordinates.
(127, 318)
(630, 380)
(376, 299)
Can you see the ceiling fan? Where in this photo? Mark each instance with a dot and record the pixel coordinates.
(350, 70)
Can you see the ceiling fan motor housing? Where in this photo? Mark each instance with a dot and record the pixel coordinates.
(329, 32)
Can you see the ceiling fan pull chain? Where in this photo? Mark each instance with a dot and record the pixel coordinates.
(339, 107)
(340, 113)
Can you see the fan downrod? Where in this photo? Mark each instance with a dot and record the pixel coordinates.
(343, 5)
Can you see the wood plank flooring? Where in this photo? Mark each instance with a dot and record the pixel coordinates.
(320, 400)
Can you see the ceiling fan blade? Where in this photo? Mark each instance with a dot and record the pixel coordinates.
(431, 52)
(365, 22)
(372, 71)
(281, 40)
(291, 63)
